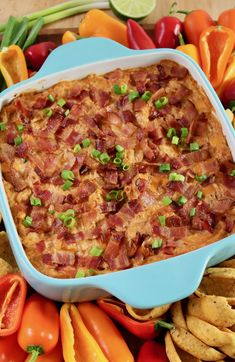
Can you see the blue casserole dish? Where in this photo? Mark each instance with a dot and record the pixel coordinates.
(144, 286)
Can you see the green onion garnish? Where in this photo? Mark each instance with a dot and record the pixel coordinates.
(157, 243)
(67, 185)
(35, 201)
(232, 173)
(125, 167)
(117, 161)
(3, 127)
(164, 167)
(146, 96)
(192, 212)
(27, 222)
(95, 153)
(80, 274)
(90, 272)
(184, 132)
(174, 176)
(18, 140)
(61, 102)
(162, 220)
(117, 195)
(25, 160)
(104, 158)
(201, 178)
(133, 95)
(199, 194)
(166, 200)
(69, 212)
(86, 142)
(124, 89)
(171, 132)
(194, 146)
(161, 102)
(77, 148)
(116, 89)
(67, 175)
(120, 154)
(51, 98)
(51, 212)
(119, 148)
(20, 127)
(175, 140)
(66, 113)
(96, 251)
(47, 112)
(163, 324)
(69, 221)
(182, 200)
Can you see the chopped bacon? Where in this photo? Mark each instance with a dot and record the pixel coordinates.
(229, 181)
(161, 73)
(22, 150)
(121, 261)
(116, 253)
(190, 158)
(100, 145)
(179, 95)
(25, 113)
(221, 206)
(40, 246)
(115, 221)
(69, 161)
(179, 72)
(139, 104)
(45, 144)
(39, 216)
(63, 258)
(229, 224)
(128, 116)
(141, 184)
(156, 133)
(111, 206)
(40, 102)
(7, 153)
(115, 75)
(16, 180)
(11, 134)
(85, 189)
(75, 92)
(47, 259)
(74, 138)
(147, 198)
(169, 248)
(204, 219)
(174, 220)
(104, 98)
(174, 233)
(54, 122)
(112, 249)
(44, 195)
(88, 261)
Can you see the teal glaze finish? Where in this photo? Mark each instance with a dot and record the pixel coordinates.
(145, 286)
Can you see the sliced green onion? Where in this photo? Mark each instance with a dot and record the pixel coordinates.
(184, 132)
(194, 146)
(51, 212)
(166, 200)
(66, 113)
(20, 127)
(116, 89)
(175, 140)
(199, 194)
(161, 102)
(95, 153)
(3, 127)
(61, 102)
(192, 212)
(124, 88)
(201, 178)
(18, 140)
(133, 95)
(11, 26)
(51, 98)
(171, 132)
(47, 112)
(174, 176)
(117, 161)
(90, 272)
(112, 195)
(162, 220)
(96, 251)
(146, 96)
(69, 212)
(157, 243)
(67, 185)
(27, 222)
(35, 201)
(80, 274)
(119, 148)
(38, 24)
(67, 175)
(164, 167)
(232, 173)
(163, 324)
(86, 142)
(69, 221)
(120, 154)
(125, 167)
(77, 148)
(104, 158)
(182, 200)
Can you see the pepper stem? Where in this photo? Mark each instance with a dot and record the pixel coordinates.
(185, 12)
(181, 39)
(172, 8)
(35, 352)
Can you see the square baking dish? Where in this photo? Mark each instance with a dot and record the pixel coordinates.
(144, 286)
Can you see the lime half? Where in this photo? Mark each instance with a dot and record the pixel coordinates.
(133, 9)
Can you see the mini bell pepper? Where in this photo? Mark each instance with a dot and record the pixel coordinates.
(105, 333)
(228, 95)
(189, 49)
(39, 329)
(36, 54)
(166, 32)
(13, 65)
(10, 351)
(227, 18)
(69, 36)
(228, 75)
(137, 37)
(56, 355)
(216, 45)
(13, 290)
(77, 342)
(195, 23)
(98, 23)
(144, 330)
(152, 352)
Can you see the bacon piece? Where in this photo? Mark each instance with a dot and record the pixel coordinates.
(39, 216)
(128, 116)
(121, 261)
(63, 258)
(116, 253)
(162, 75)
(22, 150)
(179, 72)
(156, 133)
(139, 104)
(169, 248)
(47, 259)
(25, 112)
(44, 145)
(141, 184)
(103, 98)
(74, 138)
(40, 102)
(204, 219)
(221, 206)
(115, 221)
(111, 206)
(11, 134)
(112, 249)
(126, 177)
(16, 180)
(54, 122)
(174, 220)
(208, 167)
(174, 233)
(114, 75)
(86, 188)
(40, 246)
(119, 128)
(74, 92)
(178, 95)
(7, 153)
(44, 195)
(69, 161)
(190, 158)
(88, 261)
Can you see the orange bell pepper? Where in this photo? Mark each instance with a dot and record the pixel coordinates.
(105, 333)
(189, 49)
(229, 74)
(10, 351)
(227, 18)
(55, 355)
(98, 23)
(216, 45)
(13, 65)
(69, 36)
(77, 342)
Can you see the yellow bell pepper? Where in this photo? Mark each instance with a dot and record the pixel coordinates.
(189, 49)
(229, 74)
(98, 23)
(77, 342)
(13, 65)
(69, 36)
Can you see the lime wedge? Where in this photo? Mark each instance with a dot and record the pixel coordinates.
(132, 9)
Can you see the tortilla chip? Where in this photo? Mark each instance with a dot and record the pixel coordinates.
(230, 263)
(147, 314)
(5, 268)
(6, 254)
(177, 315)
(229, 349)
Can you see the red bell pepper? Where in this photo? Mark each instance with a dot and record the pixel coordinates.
(138, 39)
(36, 54)
(152, 352)
(10, 351)
(144, 330)
(228, 95)
(13, 290)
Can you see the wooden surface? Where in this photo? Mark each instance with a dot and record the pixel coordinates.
(24, 7)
